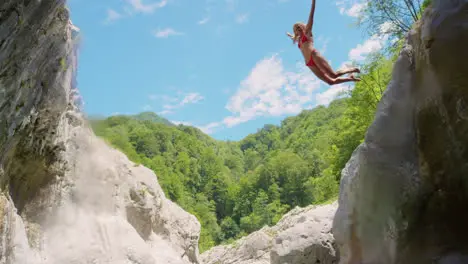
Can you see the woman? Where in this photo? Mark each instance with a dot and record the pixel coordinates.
(316, 62)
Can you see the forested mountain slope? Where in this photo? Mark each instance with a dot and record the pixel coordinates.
(235, 188)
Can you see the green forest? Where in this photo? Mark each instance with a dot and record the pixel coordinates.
(235, 188)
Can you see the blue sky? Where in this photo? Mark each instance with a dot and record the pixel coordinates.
(225, 66)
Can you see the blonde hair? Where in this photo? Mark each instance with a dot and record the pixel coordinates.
(293, 36)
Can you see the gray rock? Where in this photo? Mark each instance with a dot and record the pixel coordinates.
(305, 237)
(302, 236)
(404, 192)
(66, 196)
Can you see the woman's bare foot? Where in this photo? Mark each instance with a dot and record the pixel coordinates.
(354, 78)
(353, 70)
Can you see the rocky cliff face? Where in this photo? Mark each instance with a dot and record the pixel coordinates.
(302, 236)
(404, 193)
(66, 197)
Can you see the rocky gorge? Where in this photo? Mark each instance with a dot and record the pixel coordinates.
(67, 197)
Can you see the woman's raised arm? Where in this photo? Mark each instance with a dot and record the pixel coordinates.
(310, 23)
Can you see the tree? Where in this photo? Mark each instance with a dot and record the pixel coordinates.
(260, 208)
(211, 232)
(229, 228)
(291, 173)
(276, 211)
(391, 17)
(235, 163)
(251, 159)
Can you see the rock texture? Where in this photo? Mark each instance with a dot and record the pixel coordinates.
(302, 236)
(66, 197)
(404, 193)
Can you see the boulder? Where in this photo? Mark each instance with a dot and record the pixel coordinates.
(404, 192)
(302, 236)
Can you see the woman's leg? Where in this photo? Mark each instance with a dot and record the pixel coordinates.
(343, 72)
(320, 74)
(324, 66)
(331, 81)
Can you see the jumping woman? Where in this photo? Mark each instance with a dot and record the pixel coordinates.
(316, 62)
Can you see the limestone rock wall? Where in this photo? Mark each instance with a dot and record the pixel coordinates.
(404, 192)
(66, 196)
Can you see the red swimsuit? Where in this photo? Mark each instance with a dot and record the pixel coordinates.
(304, 39)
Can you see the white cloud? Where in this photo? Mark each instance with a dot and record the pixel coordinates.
(113, 15)
(270, 90)
(225, 8)
(140, 7)
(331, 94)
(373, 44)
(209, 128)
(352, 8)
(345, 65)
(164, 112)
(133, 7)
(204, 21)
(172, 103)
(242, 18)
(191, 98)
(356, 9)
(386, 27)
(166, 32)
(181, 123)
(340, 5)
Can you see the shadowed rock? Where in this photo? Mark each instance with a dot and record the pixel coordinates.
(404, 193)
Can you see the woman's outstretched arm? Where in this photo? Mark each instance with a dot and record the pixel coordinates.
(310, 23)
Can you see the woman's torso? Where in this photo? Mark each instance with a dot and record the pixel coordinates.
(306, 45)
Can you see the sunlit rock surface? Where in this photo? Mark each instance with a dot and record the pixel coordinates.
(66, 197)
(302, 236)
